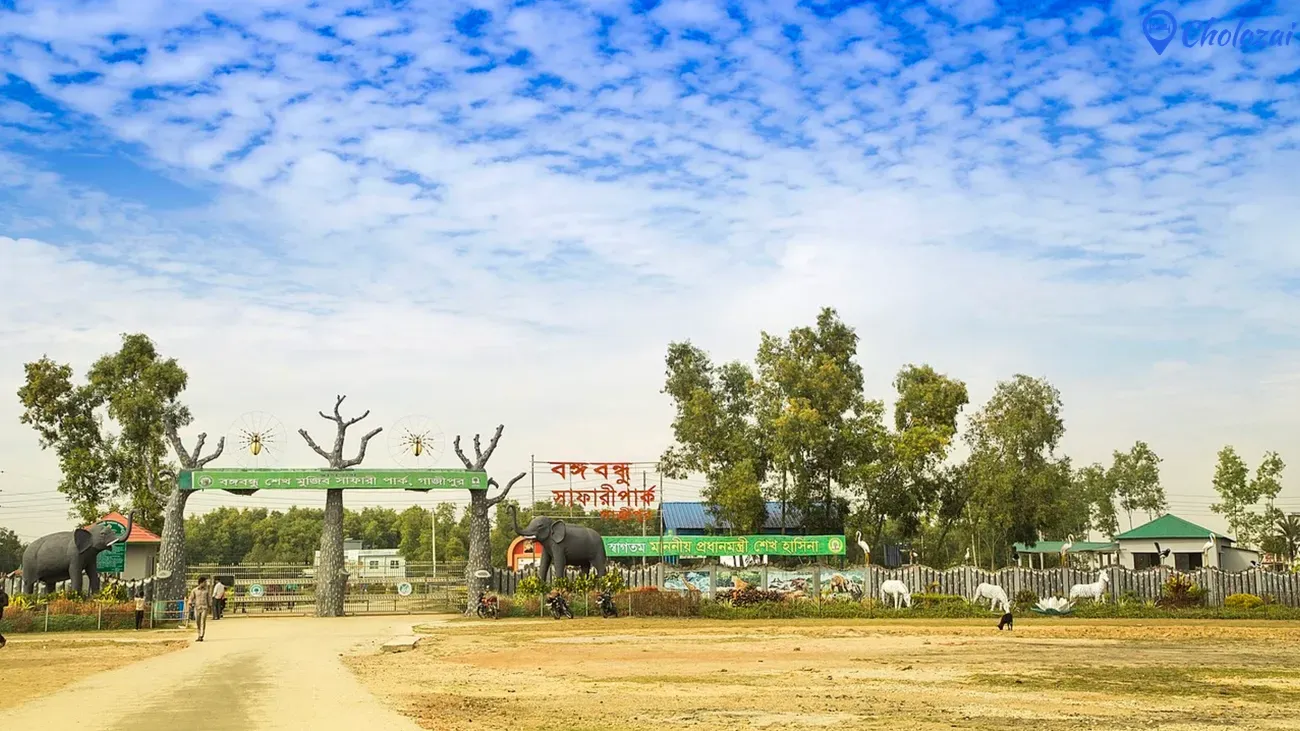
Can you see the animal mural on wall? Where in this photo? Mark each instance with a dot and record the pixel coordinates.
(843, 586)
(66, 555)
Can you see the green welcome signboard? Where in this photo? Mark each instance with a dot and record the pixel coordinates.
(113, 561)
(238, 480)
(701, 546)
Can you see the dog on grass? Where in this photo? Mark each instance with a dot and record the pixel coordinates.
(1006, 622)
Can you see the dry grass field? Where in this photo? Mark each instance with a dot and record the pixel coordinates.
(1049, 675)
(33, 665)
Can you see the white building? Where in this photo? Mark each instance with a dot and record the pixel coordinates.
(1189, 547)
(371, 563)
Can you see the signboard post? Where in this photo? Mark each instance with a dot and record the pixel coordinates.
(701, 546)
(113, 561)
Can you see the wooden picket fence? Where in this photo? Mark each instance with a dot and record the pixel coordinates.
(1147, 584)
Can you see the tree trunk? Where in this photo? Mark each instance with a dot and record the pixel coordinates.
(331, 581)
(480, 547)
(171, 554)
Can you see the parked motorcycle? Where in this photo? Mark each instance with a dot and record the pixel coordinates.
(559, 606)
(488, 606)
(607, 608)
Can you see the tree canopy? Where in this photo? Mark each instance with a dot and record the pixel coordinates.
(108, 432)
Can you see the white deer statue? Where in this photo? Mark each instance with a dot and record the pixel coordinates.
(995, 594)
(898, 590)
(1095, 591)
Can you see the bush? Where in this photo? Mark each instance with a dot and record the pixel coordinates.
(531, 586)
(1180, 593)
(1243, 601)
(749, 596)
(612, 582)
(1025, 600)
(925, 601)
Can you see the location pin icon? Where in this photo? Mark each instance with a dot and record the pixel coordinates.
(1159, 27)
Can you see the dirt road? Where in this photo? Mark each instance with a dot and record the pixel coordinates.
(248, 674)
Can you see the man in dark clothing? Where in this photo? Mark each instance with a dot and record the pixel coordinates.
(4, 602)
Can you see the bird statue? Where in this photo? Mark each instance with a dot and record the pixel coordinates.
(1163, 554)
(1065, 547)
(967, 559)
(866, 550)
(1209, 547)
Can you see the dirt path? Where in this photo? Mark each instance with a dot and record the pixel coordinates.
(248, 674)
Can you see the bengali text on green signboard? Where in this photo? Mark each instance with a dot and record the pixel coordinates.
(701, 546)
(236, 479)
(113, 561)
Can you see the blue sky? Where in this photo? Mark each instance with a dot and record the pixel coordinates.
(502, 211)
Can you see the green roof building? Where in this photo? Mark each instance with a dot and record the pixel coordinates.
(1172, 542)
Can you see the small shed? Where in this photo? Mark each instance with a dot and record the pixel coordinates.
(1189, 547)
(139, 557)
(1098, 552)
(523, 552)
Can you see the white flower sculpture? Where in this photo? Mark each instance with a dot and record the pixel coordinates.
(1054, 605)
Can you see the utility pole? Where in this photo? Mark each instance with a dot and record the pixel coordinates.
(433, 537)
(643, 483)
(532, 479)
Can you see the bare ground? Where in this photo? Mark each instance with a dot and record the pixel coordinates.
(1048, 675)
(35, 665)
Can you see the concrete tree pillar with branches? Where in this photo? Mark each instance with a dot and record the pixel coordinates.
(331, 580)
(480, 529)
(171, 554)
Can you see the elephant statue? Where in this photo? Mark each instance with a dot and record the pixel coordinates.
(66, 555)
(563, 545)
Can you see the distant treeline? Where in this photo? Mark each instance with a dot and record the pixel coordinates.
(228, 536)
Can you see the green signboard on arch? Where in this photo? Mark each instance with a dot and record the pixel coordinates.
(244, 481)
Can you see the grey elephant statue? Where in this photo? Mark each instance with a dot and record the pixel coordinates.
(67, 555)
(563, 545)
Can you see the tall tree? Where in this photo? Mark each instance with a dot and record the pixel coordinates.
(1017, 480)
(910, 479)
(717, 435)
(331, 580)
(1097, 487)
(480, 527)
(11, 551)
(1136, 477)
(171, 554)
(1247, 502)
(136, 388)
(823, 433)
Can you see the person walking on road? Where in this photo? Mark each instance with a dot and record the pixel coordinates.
(139, 608)
(218, 599)
(200, 601)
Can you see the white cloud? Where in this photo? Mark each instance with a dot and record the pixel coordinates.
(436, 241)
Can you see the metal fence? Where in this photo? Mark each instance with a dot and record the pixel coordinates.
(289, 589)
(822, 582)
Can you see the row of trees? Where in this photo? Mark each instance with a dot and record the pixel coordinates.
(229, 536)
(797, 427)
